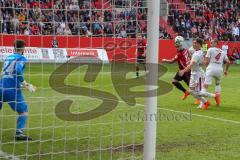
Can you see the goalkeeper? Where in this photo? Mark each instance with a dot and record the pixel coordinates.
(10, 87)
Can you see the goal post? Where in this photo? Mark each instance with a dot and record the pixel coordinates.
(92, 33)
(150, 125)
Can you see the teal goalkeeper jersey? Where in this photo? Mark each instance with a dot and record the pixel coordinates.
(12, 71)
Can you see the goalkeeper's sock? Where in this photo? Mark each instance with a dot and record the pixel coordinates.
(21, 122)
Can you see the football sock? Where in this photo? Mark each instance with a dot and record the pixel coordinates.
(137, 71)
(218, 89)
(179, 86)
(21, 122)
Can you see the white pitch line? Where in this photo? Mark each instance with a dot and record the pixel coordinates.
(8, 156)
(171, 110)
(198, 115)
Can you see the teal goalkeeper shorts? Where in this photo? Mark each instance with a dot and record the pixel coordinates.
(14, 98)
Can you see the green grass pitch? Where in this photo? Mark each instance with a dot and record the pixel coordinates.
(183, 132)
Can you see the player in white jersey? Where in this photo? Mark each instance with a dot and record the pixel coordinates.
(191, 50)
(214, 60)
(197, 73)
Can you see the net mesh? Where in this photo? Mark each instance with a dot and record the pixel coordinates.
(50, 29)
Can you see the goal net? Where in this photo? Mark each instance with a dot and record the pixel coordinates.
(81, 110)
(89, 103)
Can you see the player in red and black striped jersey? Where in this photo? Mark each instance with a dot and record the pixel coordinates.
(183, 57)
(141, 53)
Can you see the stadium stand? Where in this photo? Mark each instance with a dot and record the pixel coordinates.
(205, 19)
(73, 17)
(188, 18)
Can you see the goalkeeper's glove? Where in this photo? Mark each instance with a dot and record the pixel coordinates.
(29, 86)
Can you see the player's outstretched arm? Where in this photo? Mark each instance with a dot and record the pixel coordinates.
(170, 60)
(187, 69)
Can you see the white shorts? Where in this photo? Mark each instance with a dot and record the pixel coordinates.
(196, 81)
(215, 74)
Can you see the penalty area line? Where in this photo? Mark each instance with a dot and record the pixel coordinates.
(197, 115)
(171, 110)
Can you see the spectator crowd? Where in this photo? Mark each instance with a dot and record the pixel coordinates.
(201, 18)
(72, 17)
(234, 54)
(206, 19)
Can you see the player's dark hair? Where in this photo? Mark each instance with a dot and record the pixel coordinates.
(199, 41)
(19, 44)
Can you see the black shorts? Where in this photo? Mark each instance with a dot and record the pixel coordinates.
(141, 59)
(185, 77)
